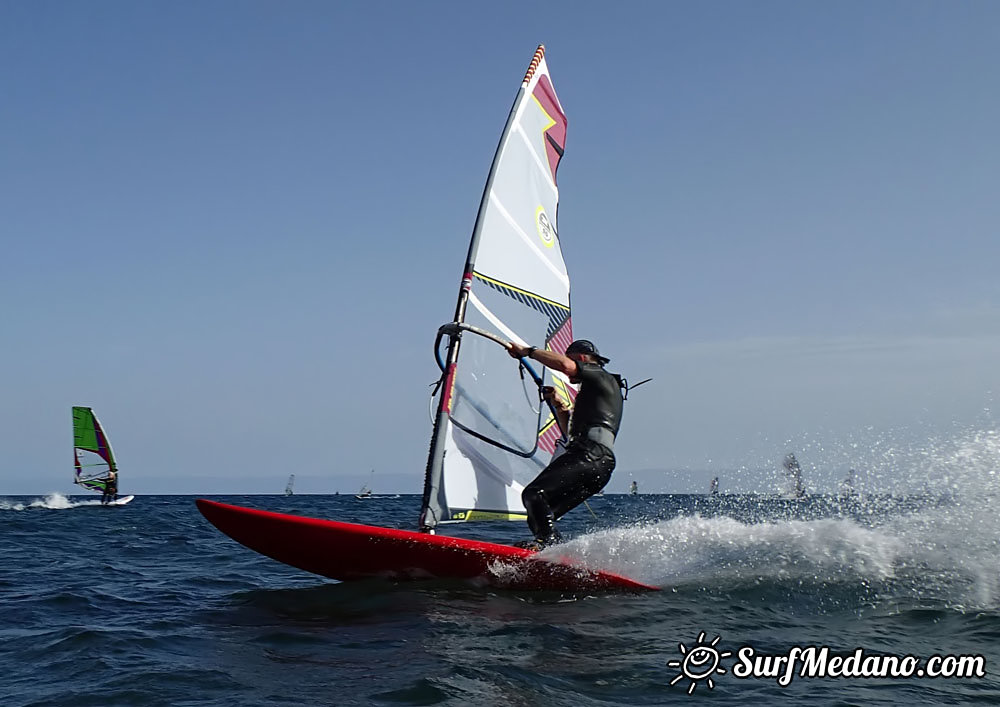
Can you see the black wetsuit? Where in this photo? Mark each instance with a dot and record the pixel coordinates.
(586, 465)
(110, 490)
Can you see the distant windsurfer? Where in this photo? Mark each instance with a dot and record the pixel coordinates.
(794, 471)
(848, 487)
(110, 492)
(586, 465)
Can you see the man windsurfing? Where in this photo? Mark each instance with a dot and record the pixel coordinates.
(586, 465)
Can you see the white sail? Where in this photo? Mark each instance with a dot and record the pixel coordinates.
(492, 435)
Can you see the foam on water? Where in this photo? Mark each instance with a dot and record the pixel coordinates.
(937, 548)
(695, 550)
(951, 545)
(55, 501)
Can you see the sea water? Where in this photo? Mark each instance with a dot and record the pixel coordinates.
(148, 604)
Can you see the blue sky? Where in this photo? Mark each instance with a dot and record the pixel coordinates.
(233, 228)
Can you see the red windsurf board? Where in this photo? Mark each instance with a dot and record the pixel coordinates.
(350, 551)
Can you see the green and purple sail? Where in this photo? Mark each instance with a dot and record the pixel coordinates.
(92, 455)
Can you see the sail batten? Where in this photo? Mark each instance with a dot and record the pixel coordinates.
(557, 273)
(495, 321)
(538, 159)
(492, 434)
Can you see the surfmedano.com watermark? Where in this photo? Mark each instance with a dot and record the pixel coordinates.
(703, 661)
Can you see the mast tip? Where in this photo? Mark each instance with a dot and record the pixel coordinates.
(535, 61)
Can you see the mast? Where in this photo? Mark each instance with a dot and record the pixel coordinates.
(433, 503)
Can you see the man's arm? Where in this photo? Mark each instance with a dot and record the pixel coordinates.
(549, 359)
(561, 407)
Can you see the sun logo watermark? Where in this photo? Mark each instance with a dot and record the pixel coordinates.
(699, 663)
(703, 661)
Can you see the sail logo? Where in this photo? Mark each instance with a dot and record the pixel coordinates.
(546, 231)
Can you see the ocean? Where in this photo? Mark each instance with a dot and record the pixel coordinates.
(148, 604)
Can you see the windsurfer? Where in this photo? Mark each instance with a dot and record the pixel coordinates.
(586, 465)
(794, 471)
(110, 492)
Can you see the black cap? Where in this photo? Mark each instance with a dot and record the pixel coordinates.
(582, 346)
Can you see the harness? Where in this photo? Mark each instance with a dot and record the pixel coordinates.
(602, 435)
(624, 384)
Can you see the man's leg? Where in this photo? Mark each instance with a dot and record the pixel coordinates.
(537, 496)
(564, 484)
(589, 478)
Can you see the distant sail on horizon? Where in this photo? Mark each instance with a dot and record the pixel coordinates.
(366, 489)
(794, 471)
(848, 487)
